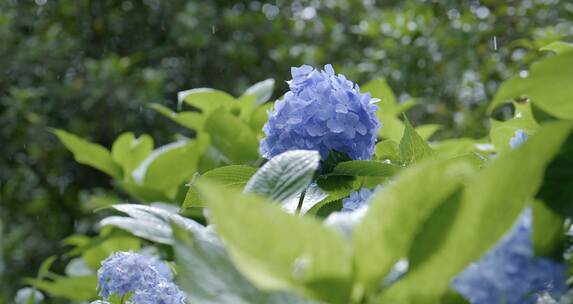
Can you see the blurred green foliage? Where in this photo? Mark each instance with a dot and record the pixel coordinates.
(92, 66)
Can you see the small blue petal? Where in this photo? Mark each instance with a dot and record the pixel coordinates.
(518, 139)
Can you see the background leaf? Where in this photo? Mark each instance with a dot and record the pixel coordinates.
(263, 90)
(546, 85)
(89, 154)
(235, 176)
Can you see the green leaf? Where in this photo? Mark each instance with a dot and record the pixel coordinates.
(502, 132)
(90, 154)
(263, 90)
(208, 276)
(129, 152)
(232, 137)
(285, 175)
(388, 150)
(205, 99)
(336, 187)
(510, 181)
(547, 86)
(188, 119)
(365, 168)
(235, 176)
(558, 47)
(150, 223)
(548, 235)
(259, 117)
(167, 167)
(72, 288)
(557, 188)
(276, 250)
(397, 212)
(412, 147)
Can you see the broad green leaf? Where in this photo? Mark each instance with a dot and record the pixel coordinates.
(208, 276)
(90, 154)
(285, 175)
(72, 288)
(557, 188)
(398, 211)
(150, 223)
(412, 147)
(392, 127)
(232, 137)
(548, 235)
(235, 176)
(510, 181)
(336, 187)
(502, 132)
(167, 167)
(276, 250)
(547, 85)
(205, 99)
(313, 195)
(455, 147)
(188, 119)
(129, 151)
(259, 117)
(558, 47)
(388, 150)
(365, 168)
(263, 90)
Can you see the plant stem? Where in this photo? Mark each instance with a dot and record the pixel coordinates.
(300, 201)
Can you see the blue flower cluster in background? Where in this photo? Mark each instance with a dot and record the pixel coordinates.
(322, 111)
(518, 139)
(357, 199)
(511, 273)
(149, 279)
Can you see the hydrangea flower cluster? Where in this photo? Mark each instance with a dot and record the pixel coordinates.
(518, 139)
(511, 273)
(323, 112)
(149, 279)
(357, 199)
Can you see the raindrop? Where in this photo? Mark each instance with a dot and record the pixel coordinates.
(213, 29)
(494, 42)
(300, 266)
(523, 74)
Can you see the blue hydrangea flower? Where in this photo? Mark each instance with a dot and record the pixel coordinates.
(323, 112)
(510, 273)
(518, 139)
(125, 272)
(164, 293)
(357, 199)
